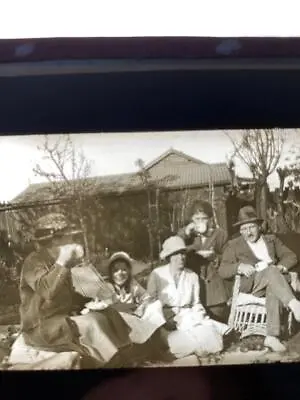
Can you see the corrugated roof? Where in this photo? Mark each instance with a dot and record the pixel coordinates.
(162, 173)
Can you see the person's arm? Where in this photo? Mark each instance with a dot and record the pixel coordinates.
(229, 263)
(196, 290)
(222, 240)
(152, 286)
(287, 259)
(181, 233)
(187, 234)
(140, 294)
(47, 283)
(220, 244)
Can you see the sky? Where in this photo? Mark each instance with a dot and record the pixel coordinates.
(69, 18)
(114, 153)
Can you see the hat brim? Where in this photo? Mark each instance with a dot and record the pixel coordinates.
(164, 255)
(56, 234)
(248, 221)
(120, 258)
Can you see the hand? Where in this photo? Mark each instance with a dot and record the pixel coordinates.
(189, 228)
(96, 305)
(69, 252)
(206, 253)
(246, 270)
(84, 311)
(281, 268)
(261, 265)
(139, 312)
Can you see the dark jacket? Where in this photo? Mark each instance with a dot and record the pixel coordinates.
(47, 296)
(211, 283)
(237, 251)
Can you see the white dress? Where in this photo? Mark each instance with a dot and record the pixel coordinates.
(196, 332)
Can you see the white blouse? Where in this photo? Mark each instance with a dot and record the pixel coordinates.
(260, 250)
(162, 286)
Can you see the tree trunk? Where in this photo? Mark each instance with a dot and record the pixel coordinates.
(262, 199)
(281, 177)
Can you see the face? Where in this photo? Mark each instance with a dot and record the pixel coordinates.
(250, 232)
(177, 261)
(120, 273)
(201, 221)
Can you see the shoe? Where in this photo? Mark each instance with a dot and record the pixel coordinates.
(274, 344)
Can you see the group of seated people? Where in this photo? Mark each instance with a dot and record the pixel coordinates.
(182, 311)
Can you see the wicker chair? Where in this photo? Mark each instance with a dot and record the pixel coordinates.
(248, 314)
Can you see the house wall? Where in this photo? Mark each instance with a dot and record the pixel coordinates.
(121, 222)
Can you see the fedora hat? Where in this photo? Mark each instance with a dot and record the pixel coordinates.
(171, 246)
(53, 224)
(247, 215)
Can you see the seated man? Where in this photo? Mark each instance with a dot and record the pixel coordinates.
(46, 293)
(263, 262)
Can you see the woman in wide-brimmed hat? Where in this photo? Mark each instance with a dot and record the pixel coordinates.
(177, 288)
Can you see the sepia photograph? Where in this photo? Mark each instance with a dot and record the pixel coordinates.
(149, 249)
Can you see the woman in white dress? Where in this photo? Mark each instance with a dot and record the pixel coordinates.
(191, 331)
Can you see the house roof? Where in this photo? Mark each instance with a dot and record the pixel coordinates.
(172, 170)
(173, 151)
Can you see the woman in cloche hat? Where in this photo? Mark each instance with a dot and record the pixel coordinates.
(143, 315)
(177, 288)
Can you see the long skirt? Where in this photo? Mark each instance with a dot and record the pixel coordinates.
(101, 336)
(143, 328)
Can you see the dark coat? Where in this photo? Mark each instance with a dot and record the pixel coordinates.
(47, 301)
(237, 251)
(46, 294)
(213, 290)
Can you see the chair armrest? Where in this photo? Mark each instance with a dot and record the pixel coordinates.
(234, 298)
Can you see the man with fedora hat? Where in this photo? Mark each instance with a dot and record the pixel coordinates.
(263, 262)
(47, 297)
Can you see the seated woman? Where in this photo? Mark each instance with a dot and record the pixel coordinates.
(131, 300)
(177, 288)
(205, 244)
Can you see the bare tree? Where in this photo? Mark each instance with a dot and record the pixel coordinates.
(290, 171)
(68, 171)
(260, 150)
(152, 218)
